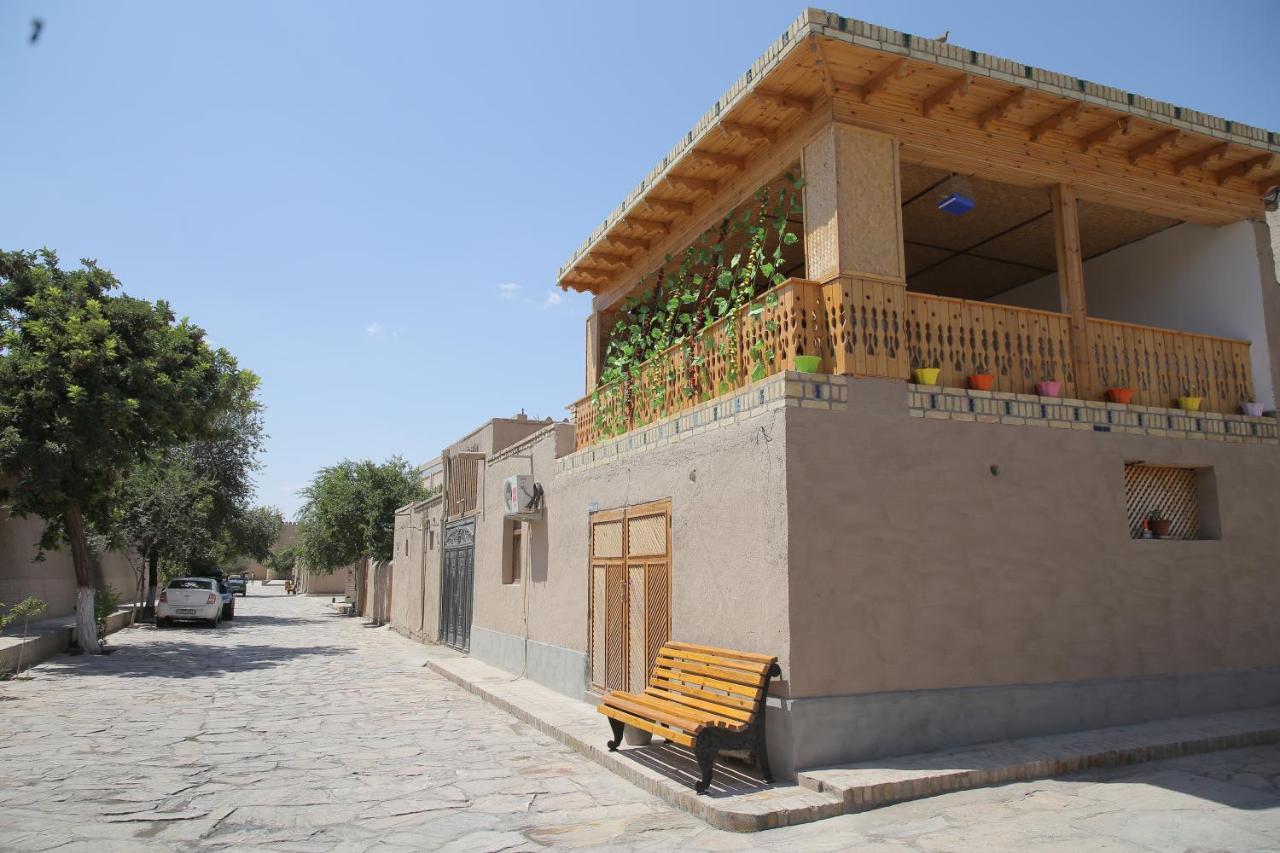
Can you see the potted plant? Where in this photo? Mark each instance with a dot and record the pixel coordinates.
(982, 380)
(1190, 400)
(1120, 394)
(1157, 524)
(808, 363)
(1250, 406)
(1049, 387)
(925, 375)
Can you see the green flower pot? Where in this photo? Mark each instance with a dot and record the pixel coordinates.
(808, 363)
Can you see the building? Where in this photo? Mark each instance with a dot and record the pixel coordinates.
(935, 560)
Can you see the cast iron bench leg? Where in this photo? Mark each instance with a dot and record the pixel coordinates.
(706, 755)
(762, 751)
(616, 725)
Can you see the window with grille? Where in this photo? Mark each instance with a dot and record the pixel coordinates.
(513, 552)
(1185, 498)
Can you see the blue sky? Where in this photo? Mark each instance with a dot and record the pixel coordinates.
(367, 202)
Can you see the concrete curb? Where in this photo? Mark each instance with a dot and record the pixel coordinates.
(38, 648)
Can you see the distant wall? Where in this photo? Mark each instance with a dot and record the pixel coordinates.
(415, 571)
(53, 579)
(1193, 278)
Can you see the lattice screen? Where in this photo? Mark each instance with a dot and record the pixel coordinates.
(607, 536)
(647, 536)
(1168, 489)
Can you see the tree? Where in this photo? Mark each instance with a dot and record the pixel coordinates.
(348, 513)
(91, 384)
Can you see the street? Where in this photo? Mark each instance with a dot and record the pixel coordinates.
(299, 729)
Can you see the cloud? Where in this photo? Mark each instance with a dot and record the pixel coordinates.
(508, 290)
(373, 328)
(553, 299)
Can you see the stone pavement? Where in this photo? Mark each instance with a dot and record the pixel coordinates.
(301, 730)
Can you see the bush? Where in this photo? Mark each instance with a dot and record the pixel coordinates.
(105, 602)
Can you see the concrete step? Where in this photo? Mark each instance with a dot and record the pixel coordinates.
(870, 784)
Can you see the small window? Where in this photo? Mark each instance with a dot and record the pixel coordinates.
(1171, 502)
(406, 547)
(431, 540)
(513, 552)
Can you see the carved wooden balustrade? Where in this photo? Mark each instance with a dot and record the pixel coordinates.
(862, 327)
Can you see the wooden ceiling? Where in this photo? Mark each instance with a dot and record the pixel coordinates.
(1005, 241)
(947, 118)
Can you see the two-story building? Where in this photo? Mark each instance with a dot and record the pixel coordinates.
(946, 379)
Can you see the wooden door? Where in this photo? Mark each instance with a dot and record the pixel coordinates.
(629, 594)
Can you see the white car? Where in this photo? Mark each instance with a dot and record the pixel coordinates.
(189, 600)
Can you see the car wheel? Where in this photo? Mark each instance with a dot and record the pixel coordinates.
(163, 623)
(230, 614)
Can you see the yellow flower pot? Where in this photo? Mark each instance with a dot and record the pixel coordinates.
(1190, 404)
(926, 375)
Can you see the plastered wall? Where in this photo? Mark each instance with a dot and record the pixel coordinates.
(53, 579)
(415, 571)
(913, 566)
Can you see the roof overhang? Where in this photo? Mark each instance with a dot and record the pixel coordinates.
(951, 108)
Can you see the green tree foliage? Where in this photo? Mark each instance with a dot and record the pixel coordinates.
(282, 561)
(91, 383)
(349, 512)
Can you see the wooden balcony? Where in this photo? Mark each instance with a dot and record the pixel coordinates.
(861, 327)
(462, 483)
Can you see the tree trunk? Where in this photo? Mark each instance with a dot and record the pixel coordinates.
(153, 580)
(86, 625)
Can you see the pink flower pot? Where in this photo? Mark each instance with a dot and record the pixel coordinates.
(1253, 410)
(1049, 388)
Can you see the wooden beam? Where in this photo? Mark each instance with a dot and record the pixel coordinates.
(749, 132)
(956, 88)
(820, 60)
(694, 184)
(1053, 122)
(628, 242)
(652, 224)
(895, 70)
(670, 205)
(720, 158)
(1105, 134)
(1199, 158)
(1243, 168)
(623, 260)
(787, 102)
(1066, 232)
(1152, 146)
(1001, 108)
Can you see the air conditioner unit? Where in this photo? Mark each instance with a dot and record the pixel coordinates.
(521, 497)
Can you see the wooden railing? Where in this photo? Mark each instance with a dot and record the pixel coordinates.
(1161, 365)
(862, 327)
(462, 483)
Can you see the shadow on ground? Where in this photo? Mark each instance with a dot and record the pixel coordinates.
(731, 778)
(162, 657)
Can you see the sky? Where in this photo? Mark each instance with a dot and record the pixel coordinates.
(367, 203)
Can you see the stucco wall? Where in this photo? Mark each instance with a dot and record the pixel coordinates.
(913, 567)
(53, 579)
(331, 583)
(416, 571)
(728, 496)
(1191, 277)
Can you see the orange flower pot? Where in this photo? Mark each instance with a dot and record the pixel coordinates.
(981, 381)
(1119, 395)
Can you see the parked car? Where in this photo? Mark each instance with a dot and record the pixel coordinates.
(228, 599)
(238, 583)
(191, 600)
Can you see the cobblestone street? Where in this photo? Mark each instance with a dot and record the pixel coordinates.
(298, 729)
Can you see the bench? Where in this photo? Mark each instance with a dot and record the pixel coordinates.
(700, 697)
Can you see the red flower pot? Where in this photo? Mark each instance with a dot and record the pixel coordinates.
(1049, 388)
(981, 381)
(1119, 395)
(1159, 527)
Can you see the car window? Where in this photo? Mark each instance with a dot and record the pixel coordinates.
(190, 583)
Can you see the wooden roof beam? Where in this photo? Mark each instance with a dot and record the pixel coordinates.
(720, 159)
(701, 185)
(684, 208)
(651, 224)
(820, 60)
(628, 242)
(895, 70)
(749, 132)
(1105, 134)
(615, 260)
(1153, 146)
(1244, 167)
(1199, 158)
(786, 102)
(1070, 113)
(952, 90)
(1001, 108)
(588, 277)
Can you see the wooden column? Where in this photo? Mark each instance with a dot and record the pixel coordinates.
(852, 205)
(1066, 231)
(592, 353)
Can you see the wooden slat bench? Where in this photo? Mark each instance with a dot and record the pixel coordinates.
(701, 697)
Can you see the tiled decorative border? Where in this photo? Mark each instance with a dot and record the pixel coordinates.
(797, 390)
(997, 407)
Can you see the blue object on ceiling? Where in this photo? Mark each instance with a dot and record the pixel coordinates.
(956, 204)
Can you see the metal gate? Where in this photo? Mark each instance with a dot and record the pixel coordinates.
(630, 594)
(457, 583)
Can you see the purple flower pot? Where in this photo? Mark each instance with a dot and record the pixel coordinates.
(1253, 410)
(1049, 388)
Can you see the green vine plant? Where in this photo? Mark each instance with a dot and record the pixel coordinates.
(665, 338)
